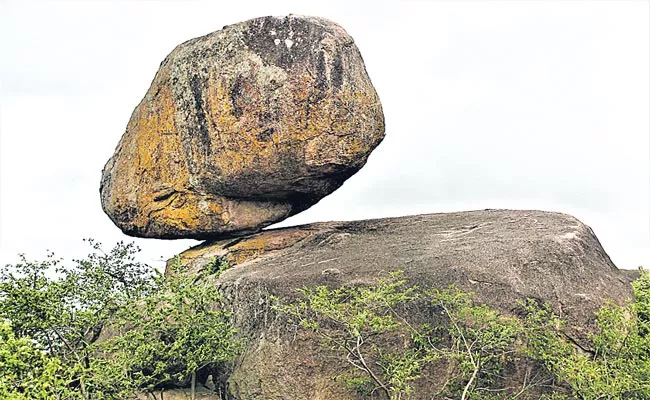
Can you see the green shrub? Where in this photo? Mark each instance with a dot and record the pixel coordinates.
(164, 328)
(355, 321)
(28, 373)
(619, 365)
(170, 335)
(479, 341)
(388, 353)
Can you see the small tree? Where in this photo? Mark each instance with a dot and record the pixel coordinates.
(53, 317)
(172, 334)
(618, 367)
(369, 328)
(62, 308)
(28, 373)
(480, 341)
(356, 321)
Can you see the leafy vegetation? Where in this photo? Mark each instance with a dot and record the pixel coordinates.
(389, 354)
(618, 367)
(355, 321)
(170, 335)
(107, 327)
(369, 327)
(477, 343)
(163, 329)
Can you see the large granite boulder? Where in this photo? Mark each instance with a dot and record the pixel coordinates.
(243, 128)
(503, 256)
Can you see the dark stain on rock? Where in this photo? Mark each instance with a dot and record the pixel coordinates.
(337, 72)
(273, 49)
(266, 117)
(265, 135)
(201, 123)
(321, 74)
(321, 83)
(235, 94)
(301, 201)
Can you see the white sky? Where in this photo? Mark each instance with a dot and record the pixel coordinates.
(510, 104)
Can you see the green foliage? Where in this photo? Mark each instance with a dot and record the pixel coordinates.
(172, 333)
(165, 329)
(52, 319)
(361, 384)
(481, 342)
(355, 321)
(388, 353)
(62, 309)
(216, 266)
(642, 302)
(618, 367)
(26, 372)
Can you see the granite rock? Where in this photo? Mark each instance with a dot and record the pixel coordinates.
(243, 128)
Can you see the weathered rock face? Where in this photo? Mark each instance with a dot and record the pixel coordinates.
(502, 256)
(242, 128)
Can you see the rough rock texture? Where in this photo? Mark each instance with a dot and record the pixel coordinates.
(503, 256)
(183, 394)
(242, 128)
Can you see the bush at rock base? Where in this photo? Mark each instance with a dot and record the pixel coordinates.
(162, 330)
(369, 329)
(166, 329)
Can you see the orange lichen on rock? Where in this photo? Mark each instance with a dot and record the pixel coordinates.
(239, 251)
(242, 128)
(256, 246)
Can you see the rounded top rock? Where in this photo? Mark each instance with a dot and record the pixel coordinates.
(243, 128)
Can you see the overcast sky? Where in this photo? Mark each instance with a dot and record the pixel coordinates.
(511, 104)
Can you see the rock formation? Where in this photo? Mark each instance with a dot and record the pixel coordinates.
(502, 256)
(243, 128)
(249, 125)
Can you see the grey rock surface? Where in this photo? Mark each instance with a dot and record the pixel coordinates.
(501, 255)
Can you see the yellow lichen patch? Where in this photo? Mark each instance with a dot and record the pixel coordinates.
(150, 159)
(192, 254)
(262, 243)
(215, 207)
(159, 159)
(236, 126)
(247, 249)
(194, 214)
(158, 165)
(219, 116)
(187, 217)
(335, 127)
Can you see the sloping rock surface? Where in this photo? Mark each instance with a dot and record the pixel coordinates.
(501, 255)
(243, 128)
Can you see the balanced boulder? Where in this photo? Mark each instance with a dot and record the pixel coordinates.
(243, 128)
